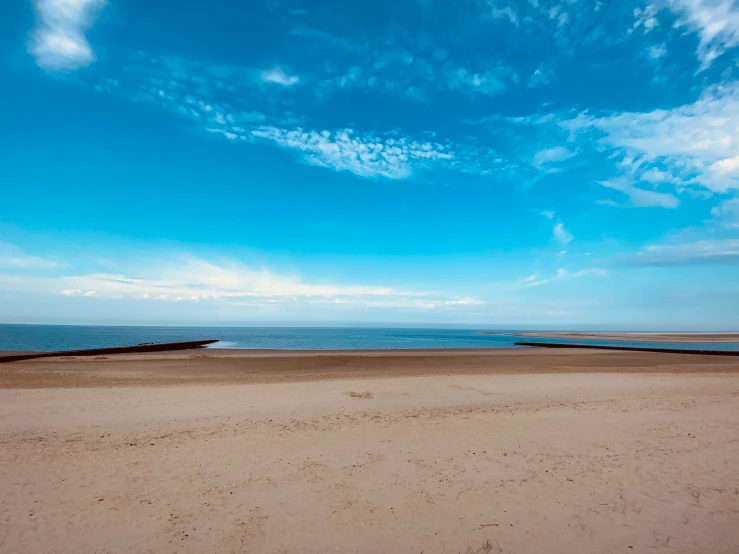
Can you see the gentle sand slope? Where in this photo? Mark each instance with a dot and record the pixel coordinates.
(275, 366)
(492, 462)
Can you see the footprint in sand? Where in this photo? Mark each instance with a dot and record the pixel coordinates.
(365, 394)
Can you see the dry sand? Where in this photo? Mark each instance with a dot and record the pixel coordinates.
(639, 337)
(511, 452)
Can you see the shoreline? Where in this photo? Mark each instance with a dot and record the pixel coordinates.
(231, 366)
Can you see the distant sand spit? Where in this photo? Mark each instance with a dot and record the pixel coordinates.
(639, 337)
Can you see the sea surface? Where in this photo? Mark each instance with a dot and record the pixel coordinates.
(42, 338)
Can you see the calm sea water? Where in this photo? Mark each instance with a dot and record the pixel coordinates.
(68, 337)
(72, 337)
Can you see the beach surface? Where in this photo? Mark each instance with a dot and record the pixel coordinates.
(416, 451)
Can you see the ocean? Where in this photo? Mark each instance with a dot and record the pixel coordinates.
(72, 337)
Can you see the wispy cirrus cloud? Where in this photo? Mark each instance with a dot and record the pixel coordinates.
(645, 18)
(203, 95)
(12, 257)
(690, 145)
(197, 279)
(563, 274)
(562, 235)
(225, 281)
(657, 51)
(505, 13)
(399, 73)
(639, 197)
(400, 69)
(726, 213)
(560, 274)
(278, 76)
(387, 155)
(59, 42)
(539, 77)
(487, 82)
(722, 251)
(364, 155)
(715, 21)
(549, 158)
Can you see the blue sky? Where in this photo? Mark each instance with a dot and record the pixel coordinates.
(511, 163)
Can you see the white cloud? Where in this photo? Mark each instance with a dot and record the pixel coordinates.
(191, 91)
(657, 51)
(657, 177)
(641, 198)
(694, 253)
(544, 159)
(505, 13)
(645, 18)
(398, 72)
(401, 69)
(727, 166)
(59, 42)
(599, 271)
(562, 274)
(547, 213)
(715, 21)
(539, 77)
(563, 236)
(12, 257)
(364, 155)
(489, 82)
(558, 14)
(696, 143)
(190, 279)
(202, 280)
(611, 203)
(188, 90)
(279, 77)
(463, 301)
(380, 155)
(727, 213)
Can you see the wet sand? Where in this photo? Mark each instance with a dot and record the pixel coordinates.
(639, 337)
(221, 366)
(378, 452)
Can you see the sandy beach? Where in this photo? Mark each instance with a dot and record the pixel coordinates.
(415, 451)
